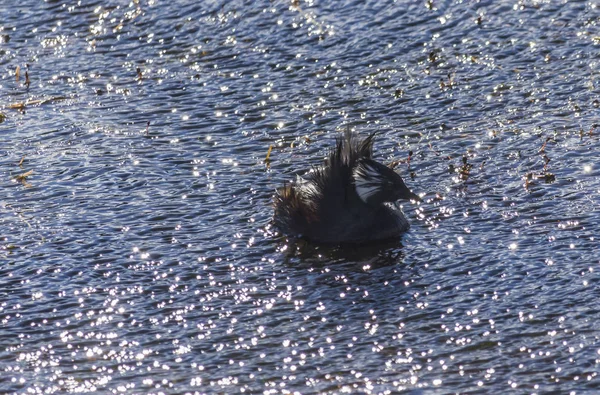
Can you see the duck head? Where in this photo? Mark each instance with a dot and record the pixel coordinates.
(376, 183)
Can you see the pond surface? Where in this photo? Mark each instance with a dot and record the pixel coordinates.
(136, 253)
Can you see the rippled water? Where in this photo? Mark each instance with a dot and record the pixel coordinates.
(135, 249)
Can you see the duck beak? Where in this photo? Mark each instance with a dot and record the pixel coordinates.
(406, 194)
(413, 197)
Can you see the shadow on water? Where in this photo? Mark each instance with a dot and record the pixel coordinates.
(355, 257)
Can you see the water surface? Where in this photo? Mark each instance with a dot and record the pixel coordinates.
(136, 254)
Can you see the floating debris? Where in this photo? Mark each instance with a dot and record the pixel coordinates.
(268, 157)
(22, 105)
(21, 161)
(394, 164)
(546, 161)
(530, 178)
(543, 149)
(433, 57)
(544, 176)
(437, 153)
(450, 84)
(22, 178)
(17, 106)
(465, 169)
(17, 73)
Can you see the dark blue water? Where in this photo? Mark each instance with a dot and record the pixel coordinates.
(136, 254)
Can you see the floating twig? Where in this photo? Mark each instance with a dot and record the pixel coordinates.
(392, 165)
(437, 153)
(22, 105)
(546, 161)
(268, 157)
(22, 178)
(17, 106)
(543, 149)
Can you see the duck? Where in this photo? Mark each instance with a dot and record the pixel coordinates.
(350, 199)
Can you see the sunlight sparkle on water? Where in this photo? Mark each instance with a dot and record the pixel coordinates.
(197, 97)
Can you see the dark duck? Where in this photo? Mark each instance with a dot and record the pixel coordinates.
(348, 200)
